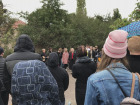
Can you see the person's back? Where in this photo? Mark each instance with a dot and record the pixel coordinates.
(33, 84)
(81, 70)
(60, 75)
(102, 89)
(134, 56)
(106, 87)
(24, 50)
(4, 93)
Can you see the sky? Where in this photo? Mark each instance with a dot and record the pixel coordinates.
(101, 7)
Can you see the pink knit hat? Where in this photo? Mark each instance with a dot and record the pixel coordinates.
(116, 44)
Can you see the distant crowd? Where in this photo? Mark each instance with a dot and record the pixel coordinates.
(68, 58)
(106, 77)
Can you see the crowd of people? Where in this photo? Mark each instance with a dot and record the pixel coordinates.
(42, 79)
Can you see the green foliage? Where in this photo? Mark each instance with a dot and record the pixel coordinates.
(116, 14)
(51, 26)
(135, 15)
(120, 23)
(7, 51)
(47, 26)
(81, 7)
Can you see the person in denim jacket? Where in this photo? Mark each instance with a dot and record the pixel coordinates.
(102, 89)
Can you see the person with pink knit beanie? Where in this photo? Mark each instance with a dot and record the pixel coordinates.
(102, 89)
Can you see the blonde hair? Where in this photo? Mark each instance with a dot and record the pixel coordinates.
(60, 49)
(92, 47)
(96, 46)
(65, 49)
(134, 44)
(106, 61)
(43, 49)
(72, 49)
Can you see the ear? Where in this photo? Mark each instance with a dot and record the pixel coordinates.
(2, 54)
(127, 48)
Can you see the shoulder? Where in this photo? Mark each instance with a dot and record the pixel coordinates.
(23, 56)
(99, 76)
(78, 65)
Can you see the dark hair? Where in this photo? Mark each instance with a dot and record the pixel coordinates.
(81, 52)
(50, 48)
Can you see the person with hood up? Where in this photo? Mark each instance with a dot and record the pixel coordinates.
(81, 70)
(60, 75)
(33, 84)
(24, 50)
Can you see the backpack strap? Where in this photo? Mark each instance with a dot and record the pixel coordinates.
(138, 77)
(117, 83)
(133, 85)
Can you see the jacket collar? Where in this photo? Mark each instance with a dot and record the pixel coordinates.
(118, 65)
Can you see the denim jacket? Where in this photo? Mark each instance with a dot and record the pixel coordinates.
(102, 89)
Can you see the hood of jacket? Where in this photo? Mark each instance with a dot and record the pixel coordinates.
(23, 44)
(83, 59)
(33, 84)
(53, 60)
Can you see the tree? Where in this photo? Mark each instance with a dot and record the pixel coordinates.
(116, 14)
(5, 20)
(51, 26)
(120, 23)
(48, 25)
(135, 15)
(81, 7)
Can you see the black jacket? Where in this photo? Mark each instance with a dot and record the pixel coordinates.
(134, 63)
(2, 61)
(96, 51)
(45, 55)
(81, 70)
(93, 54)
(74, 56)
(59, 55)
(24, 50)
(60, 74)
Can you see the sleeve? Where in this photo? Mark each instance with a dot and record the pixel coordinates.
(69, 56)
(75, 56)
(6, 79)
(62, 58)
(41, 54)
(66, 81)
(91, 97)
(94, 67)
(40, 58)
(74, 71)
(1, 84)
(60, 55)
(93, 54)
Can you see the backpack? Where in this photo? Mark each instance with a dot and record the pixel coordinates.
(128, 100)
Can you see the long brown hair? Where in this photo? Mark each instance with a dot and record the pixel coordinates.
(106, 61)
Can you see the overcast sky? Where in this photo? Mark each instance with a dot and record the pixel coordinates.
(101, 7)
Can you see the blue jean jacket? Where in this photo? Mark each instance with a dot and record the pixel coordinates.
(102, 89)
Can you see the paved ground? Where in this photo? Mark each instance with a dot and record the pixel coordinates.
(69, 94)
